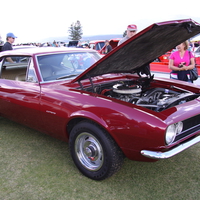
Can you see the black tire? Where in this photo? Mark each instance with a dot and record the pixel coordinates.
(94, 152)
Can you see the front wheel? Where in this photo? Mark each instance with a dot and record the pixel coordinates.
(94, 152)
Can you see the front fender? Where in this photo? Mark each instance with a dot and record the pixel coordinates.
(89, 115)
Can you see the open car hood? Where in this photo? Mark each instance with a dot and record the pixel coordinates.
(135, 54)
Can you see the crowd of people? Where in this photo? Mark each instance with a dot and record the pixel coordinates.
(181, 62)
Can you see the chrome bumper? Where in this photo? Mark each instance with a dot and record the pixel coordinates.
(170, 153)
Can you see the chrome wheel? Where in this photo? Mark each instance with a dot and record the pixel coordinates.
(89, 151)
(93, 151)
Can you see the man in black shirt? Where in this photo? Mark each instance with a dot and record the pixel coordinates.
(10, 38)
(108, 47)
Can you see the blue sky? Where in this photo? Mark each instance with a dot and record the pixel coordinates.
(32, 21)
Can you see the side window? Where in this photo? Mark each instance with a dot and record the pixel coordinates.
(14, 68)
(31, 75)
(97, 46)
(101, 45)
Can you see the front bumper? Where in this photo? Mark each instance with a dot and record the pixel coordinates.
(170, 153)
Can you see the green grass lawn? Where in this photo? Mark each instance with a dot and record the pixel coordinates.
(34, 166)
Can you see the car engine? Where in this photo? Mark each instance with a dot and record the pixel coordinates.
(142, 94)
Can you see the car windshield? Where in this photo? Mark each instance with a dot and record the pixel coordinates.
(100, 45)
(65, 65)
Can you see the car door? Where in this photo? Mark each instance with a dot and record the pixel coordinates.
(19, 91)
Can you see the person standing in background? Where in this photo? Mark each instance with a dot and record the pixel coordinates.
(10, 39)
(108, 47)
(130, 32)
(181, 62)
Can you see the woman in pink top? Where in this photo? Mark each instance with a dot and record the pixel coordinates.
(180, 62)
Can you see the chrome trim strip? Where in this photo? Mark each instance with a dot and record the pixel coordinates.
(170, 153)
(50, 112)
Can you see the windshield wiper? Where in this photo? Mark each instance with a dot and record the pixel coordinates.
(67, 76)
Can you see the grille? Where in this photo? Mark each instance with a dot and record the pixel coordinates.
(190, 126)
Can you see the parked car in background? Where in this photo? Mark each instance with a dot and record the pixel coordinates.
(161, 64)
(72, 43)
(164, 58)
(97, 44)
(107, 108)
(113, 43)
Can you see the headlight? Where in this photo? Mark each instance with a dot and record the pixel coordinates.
(170, 134)
(172, 131)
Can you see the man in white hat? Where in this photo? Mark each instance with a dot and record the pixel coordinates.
(131, 31)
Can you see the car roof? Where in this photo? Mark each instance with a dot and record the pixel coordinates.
(43, 50)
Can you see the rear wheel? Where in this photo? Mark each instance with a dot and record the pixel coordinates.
(94, 152)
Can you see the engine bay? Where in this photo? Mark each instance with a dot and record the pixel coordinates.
(141, 93)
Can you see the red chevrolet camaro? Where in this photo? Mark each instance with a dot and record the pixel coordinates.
(106, 108)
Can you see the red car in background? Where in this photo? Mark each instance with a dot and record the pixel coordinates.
(97, 44)
(164, 57)
(161, 63)
(113, 44)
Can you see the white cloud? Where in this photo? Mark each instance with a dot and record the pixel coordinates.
(33, 20)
